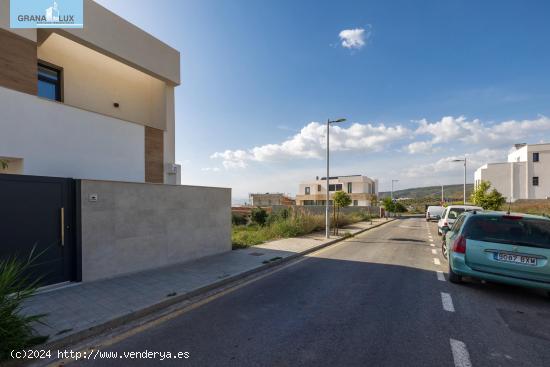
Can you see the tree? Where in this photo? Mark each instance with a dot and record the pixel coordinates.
(488, 200)
(3, 164)
(341, 200)
(374, 200)
(398, 207)
(388, 204)
(258, 216)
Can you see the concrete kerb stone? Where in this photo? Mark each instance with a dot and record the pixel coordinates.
(135, 315)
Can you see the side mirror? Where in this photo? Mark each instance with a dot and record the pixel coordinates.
(444, 230)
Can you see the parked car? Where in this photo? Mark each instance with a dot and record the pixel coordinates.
(434, 212)
(451, 213)
(500, 247)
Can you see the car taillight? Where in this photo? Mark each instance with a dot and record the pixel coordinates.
(459, 245)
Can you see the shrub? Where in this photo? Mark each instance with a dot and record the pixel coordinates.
(16, 331)
(258, 216)
(238, 220)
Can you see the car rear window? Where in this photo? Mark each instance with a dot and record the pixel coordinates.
(511, 230)
(455, 212)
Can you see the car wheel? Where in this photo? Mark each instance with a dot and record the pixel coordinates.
(444, 249)
(454, 277)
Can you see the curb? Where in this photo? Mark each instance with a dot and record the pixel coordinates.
(119, 321)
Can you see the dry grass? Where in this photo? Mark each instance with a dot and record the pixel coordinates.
(538, 207)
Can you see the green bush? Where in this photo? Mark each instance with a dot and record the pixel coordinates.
(258, 216)
(287, 223)
(238, 220)
(16, 331)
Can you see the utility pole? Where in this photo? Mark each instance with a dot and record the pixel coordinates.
(327, 217)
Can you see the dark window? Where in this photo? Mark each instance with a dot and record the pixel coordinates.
(49, 82)
(307, 190)
(535, 181)
(318, 187)
(335, 187)
(455, 212)
(509, 230)
(535, 157)
(355, 203)
(349, 187)
(458, 224)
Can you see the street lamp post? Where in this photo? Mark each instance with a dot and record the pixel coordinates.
(392, 181)
(327, 218)
(463, 160)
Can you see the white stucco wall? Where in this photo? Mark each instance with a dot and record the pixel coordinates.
(57, 140)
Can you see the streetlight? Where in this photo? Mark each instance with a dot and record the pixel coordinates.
(327, 219)
(392, 181)
(442, 195)
(463, 160)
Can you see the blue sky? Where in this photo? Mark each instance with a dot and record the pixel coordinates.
(419, 82)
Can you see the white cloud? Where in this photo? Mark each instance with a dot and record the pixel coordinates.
(476, 132)
(210, 169)
(310, 143)
(445, 165)
(353, 38)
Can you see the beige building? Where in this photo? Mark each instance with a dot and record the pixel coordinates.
(269, 199)
(526, 174)
(362, 189)
(96, 102)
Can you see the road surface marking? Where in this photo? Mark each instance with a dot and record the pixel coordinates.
(436, 261)
(434, 251)
(432, 244)
(102, 341)
(447, 302)
(460, 354)
(440, 276)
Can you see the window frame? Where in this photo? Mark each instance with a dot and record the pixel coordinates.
(535, 179)
(536, 154)
(307, 190)
(59, 95)
(350, 187)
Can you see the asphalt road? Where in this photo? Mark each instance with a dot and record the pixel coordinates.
(373, 300)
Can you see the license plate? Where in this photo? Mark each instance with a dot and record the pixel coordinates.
(516, 259)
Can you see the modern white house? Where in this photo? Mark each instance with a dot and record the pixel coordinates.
(362, 189)
(90, 103)
(526, 174)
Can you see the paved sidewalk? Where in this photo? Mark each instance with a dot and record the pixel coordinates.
(84, 309)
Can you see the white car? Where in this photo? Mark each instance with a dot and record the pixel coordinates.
(434, 212)
(451, 213)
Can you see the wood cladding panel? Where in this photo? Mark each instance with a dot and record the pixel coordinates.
(154, 155)
(18, 63)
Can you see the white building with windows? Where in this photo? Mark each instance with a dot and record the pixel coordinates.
(362, 189)
(526, 174)
(90, 103)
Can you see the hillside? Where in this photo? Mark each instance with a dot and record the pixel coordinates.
(431, 192)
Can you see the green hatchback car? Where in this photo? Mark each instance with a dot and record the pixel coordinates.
(500, 247)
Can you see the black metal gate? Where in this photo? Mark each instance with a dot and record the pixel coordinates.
(39, 212)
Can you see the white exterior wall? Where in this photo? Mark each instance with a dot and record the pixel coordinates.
(57, 140)
(514, 179)
(360, 184)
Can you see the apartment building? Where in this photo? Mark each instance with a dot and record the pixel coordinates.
(362, 189)
(91, 103)
(526, 174)
(269, 199)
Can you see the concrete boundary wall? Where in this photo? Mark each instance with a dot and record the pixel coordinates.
(132, 227)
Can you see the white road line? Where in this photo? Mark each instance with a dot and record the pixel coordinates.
(432, 244)
(460, 354)
(447, 302)
(440, 276)
(436, 261)
(434, 251)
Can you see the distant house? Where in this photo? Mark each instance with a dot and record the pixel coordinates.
(361, 188)
(269, 199)
(526, 174)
